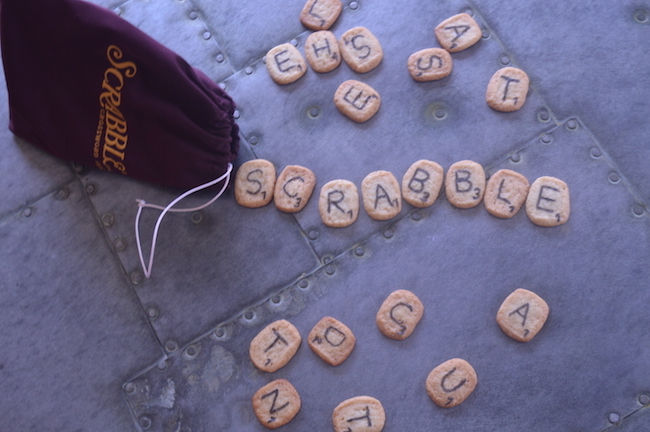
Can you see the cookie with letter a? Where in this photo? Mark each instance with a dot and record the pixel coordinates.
(522, 315)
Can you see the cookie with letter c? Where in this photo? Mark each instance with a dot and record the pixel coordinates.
(293, 188)
(399, 314)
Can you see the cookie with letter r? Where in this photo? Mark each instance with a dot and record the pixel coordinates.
(451, 382)
(359, 414)
(320, 14)
(338, 203)
(465, 184)
(458, 32)
(505, 193)
(274, 346)
(399, 314)
(382, 198)
(430, 64)
(356, 100)
(522, 315)
(548, 202)
(361, 50)
(285, 64)
(293, 188)
(422, 183)
(276, 404)
(322, 51)
(255, 183)
(331, 340)
(507, 89)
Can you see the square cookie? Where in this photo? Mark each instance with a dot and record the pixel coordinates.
(399, 314)
(276, 404)
(285, 64)
(322, 51)
(465, 184)
(359, 414)
(458, 32)
(548, 202)
(293, 188)
(274, 346)
(320, 14)
(361, 50)
(451, 382)
(338, 203)
(422, 183)
(430, 64)
(507, 89)
(522, 315)
(381, 194)
(505, 193)
(331, 340)
(255, 183)
(357, 101)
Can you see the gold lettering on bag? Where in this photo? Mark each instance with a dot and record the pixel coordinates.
(111, 138)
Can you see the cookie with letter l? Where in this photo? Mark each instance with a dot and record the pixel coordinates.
(451, 382)
(274, 346)
(320, 14)
(331, 340)
(399, 314)
(507, 89)
(522, 315)
(359, 414)
(505, 193)
(276, 404)
(548, 202)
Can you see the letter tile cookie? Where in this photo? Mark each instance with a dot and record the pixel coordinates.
(451, 382)
(331, 340)
(548, 202)
(465, 184)
(320, 14)
(430, 64)
(360, 49)
(399, 314)
(276, 404)
(422, 183)
(274, 346)
(356, 100)
(285, 64)
(338, 203)
(322, 51)
(254, 183)
(507, 89)
(522, 315)
(293, 188)
(381, 194)
(458, 32)
(505, 193)
(359, 414)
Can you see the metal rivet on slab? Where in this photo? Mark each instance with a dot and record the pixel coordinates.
(276, 299)
(28, 212)
(129, 388)
(144, 422)
(614, 178)
(388, 233)
(236, 114)
(504, 59)
(644, 399)
(193, 15)
(354, 5)
(543, 115)
(249, 315)
(171, 345)
(572, 124)
(78, 168)
(313, 112)
(119, 244)
(641, 16)
(614, 417)
(249, 70)
(359, 251)
(118, 11)
(219, 333)
(638, 210)
(153, 312)
(62, 194)
(547, 138)
(294, 42)
(222, 85)
(304, 283)
(108, 219)
(416, 216)
(220, 58)
(595, 152)
(254, 140)
(162, 365)
(207, 35)
(485, 33)
(197, 217)
(136, 277)
(91, 188)
(515, 157)
(191, 352)
(330, 270)
(312, 234)
(440, 113)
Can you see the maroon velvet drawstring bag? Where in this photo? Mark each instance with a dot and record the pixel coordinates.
(87, 86)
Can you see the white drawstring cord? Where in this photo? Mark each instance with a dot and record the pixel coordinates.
(143, 203)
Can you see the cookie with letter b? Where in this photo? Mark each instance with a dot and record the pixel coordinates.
(276, 404)
(451, 382)
(548, 202)
(522, 315)
(465, 184)
(422, 183)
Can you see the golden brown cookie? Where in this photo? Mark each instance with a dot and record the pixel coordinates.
(274, 346)
(522, 315)
(399, 314)
(276, 404)
(361, 50)
(285, 64)
(505, 193)
(507, 89)
(293, 188)
(359, 414)
(458, 32)
(356, 100)
(254, 183)
(422, 183)
(430, 64)
(338, 203)
(465, 184)
(451, 382)
(548, 202)
(322, 51)
(382, 198)
(320, 14)
(331, 340)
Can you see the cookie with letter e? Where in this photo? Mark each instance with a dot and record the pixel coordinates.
(465, 184)
(361, 50)
(451, 382)
(381, 194)
(357, 101)
(505, 193)
(274, 346)
(331, 340)
(359, 414)
(458, 32)
(276, 404)
(338, 203)
(522, 315)
(293, 188)
(320, 14)
(399, 314)
(422, 183)
(548, 202)
(254, 183)
(507, 89)
(285, 64)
